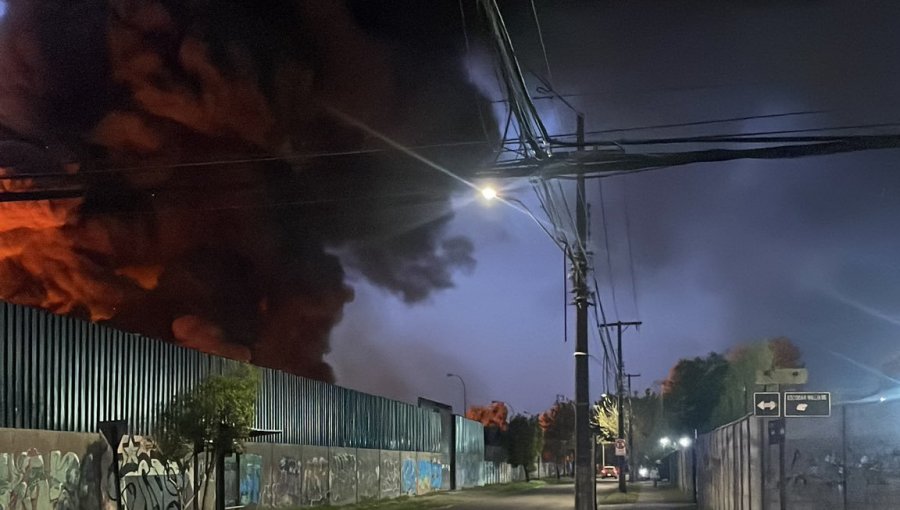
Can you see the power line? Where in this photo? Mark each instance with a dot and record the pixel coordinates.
(612, 278)
(540, 32)
(637, 310)
(462, 15)
(218, 163)
(695, 123)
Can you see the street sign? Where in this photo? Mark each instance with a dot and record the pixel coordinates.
(782, 376)
(807, 403)
(767, 403)
(620, 447)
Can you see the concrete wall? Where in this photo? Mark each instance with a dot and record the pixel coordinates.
(47, 470)
(293, 475)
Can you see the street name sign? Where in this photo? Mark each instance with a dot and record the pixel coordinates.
(767, 404)
(620, 447)
(807, 403)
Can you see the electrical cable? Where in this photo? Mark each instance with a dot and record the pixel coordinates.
(634, 291)
(540, 32)
(612, 279)
(462, 16)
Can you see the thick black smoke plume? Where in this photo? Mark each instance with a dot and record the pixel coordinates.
(209, 200)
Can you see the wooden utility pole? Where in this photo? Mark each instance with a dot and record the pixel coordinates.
(584, 480)
(620, 390)
(630, 429)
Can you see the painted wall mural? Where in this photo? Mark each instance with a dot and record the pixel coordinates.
(423, 480)
(408, 476)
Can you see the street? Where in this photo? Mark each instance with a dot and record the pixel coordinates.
(550, 496)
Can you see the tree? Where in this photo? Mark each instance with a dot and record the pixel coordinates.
(605, 418)
(692, 391)
(740, 379)
(558, 425)
(213, 418)
(523, 442)
(648, 424)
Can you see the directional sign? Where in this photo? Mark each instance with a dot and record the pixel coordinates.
(620, 447)
(807, 403)
(767, 403)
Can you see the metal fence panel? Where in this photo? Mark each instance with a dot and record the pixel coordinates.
(61, 373)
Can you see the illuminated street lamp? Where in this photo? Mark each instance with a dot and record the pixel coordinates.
(684, 441)
(665, 442)
(488, 193)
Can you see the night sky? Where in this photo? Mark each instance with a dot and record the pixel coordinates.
(723, 253)
(219, 201)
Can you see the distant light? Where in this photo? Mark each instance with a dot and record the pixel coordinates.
(488, 193)
(684, 441)
(643, 472)
(882, 399)
(665, 442)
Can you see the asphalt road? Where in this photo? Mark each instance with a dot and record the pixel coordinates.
(550, 497)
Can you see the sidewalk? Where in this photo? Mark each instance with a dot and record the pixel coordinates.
(645, 495)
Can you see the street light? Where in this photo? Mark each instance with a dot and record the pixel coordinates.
(584, 483)
(489, 193)
(684, 441)
(665, 442)
(465, 405)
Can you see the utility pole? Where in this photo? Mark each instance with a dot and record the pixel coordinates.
(584, 480)
(630, 429)
(620, 389)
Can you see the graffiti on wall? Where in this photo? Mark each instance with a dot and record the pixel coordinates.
(423, 482)
(251, 470)
(430, 476)
(368, 468)
(315, 480)
(343, 477)
(408, 477)
(285, 487)
(242, 481)
(437, 474)
(148, 483)
(390, 475)
(33, 481)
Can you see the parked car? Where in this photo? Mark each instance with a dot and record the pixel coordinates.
(609, 472)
